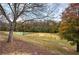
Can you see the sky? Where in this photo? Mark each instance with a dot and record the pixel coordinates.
(53, 15)
(61, 9)
(57, 12)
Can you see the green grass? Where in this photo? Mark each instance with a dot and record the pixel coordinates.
(49, 41)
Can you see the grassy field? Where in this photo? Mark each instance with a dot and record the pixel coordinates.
(42, 43)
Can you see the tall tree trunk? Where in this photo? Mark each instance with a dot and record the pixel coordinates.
(77, 46)
(10, 36)
(15, 26)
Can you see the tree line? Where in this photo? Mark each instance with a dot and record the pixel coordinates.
(49, 26)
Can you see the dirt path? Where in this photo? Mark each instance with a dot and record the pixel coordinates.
(20, 47)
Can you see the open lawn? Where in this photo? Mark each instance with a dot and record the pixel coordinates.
(35, 44)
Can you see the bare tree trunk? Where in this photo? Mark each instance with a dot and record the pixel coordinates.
(77, 46)
(15, 26)
(10, 36)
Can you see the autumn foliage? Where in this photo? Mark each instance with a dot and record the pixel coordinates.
(69, 27)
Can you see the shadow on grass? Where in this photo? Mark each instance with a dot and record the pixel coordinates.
(21, 47)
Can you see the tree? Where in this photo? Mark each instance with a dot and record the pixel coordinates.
(15, 11)
(69, 27)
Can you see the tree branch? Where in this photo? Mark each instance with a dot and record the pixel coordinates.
(4, 13)
(11, 8)
(21, 11)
